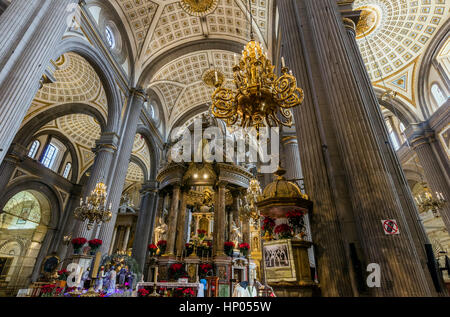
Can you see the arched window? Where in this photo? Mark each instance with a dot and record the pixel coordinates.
(67, 170)
(33, 149)
(50, 155)
(438, 95)
(110, 37)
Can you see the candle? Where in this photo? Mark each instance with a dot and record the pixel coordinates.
(283, 63)
(217, 77)
(236, 61)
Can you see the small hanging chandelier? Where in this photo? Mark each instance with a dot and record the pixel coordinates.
(259, 95)
(428, 202)
(94, 208)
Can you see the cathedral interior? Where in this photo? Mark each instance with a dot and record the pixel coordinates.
(117, 176)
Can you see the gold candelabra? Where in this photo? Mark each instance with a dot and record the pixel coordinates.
(93, 209)
(431, 203)
(259, 94)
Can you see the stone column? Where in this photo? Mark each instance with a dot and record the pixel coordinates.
(126, 238)
(117, 176)
(372, 192)
(421, 139)
(181, 223)
(392, 161)
(292, 162)
(219, 219)
(104, 151)
(113, 239)
(31, 31)
(145, 221)
(323, 186)
(173, 215)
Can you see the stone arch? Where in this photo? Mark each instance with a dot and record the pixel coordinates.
(428, 58)
(154, 150)
(26, 133)
(70, 147)
(105, 73)
(136, 160)
(404, 113)
(51, 208)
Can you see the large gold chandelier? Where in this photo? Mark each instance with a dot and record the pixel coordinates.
(199, 7)
(428, 202)
(94, 208)
(259, 94)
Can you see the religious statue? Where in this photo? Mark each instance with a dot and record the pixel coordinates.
(100, 277)
(112, 280)
(161, 229)
(236, 234)
(122, 276)
(84, 278)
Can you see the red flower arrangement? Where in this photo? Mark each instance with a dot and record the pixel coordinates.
(176, 271)
(47, 290)
(244, 246)
(95, 243)
(296, 219)
(205, 268)
(228, 248)
(201, 233)
(188, 292)
(268, 224)
(78, 242)
(284, 231)
(162, 245)
(63, 274)
(152, 249)
(143, 292)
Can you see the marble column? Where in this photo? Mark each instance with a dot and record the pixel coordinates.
(292, 162)
(325, 188)
(126, 238)
(104, 151)
(31, 31)
(181, 223)
(113, 240)
(391, 159)
(117, 176)
(219, 219)
(173, 216)
(372, 191)
(145, 221)
(421, 139)
(361, 186)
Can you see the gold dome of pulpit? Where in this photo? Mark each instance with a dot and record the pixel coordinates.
(285, 257)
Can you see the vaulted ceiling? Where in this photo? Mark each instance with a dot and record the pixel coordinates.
(159, 27)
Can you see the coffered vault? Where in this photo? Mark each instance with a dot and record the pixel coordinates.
(393, 36)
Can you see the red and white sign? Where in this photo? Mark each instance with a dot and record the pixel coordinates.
(390, 227)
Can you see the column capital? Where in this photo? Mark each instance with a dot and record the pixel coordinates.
(150, 187)
(419, 134)
(139, 92)
(16, 153)
(108, 142)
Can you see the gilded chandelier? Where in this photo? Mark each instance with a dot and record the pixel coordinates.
(431, 203)
(94, 208)
(199, 7)
(259, 94)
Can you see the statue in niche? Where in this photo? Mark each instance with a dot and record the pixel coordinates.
(161, 230)
(235, 234)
